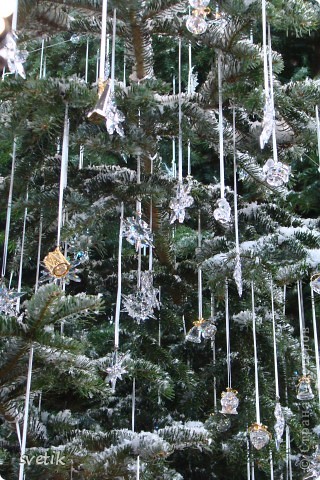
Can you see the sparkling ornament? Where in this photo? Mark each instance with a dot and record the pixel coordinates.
(141, 304)
(237, 275)
(267, 123)
(279, 425)
(58, 268)
(148, 290)
(304, 391)
(14, 58)
(259, 435)
(137, 232)
(196, 24)
(114, 118)
(182, 200)
(8, 300)
(208, 329)
(223, 212)
(229, 402)
(116, 370)
(276, 174)
(217, 422)
(315, 282)
(194, 335)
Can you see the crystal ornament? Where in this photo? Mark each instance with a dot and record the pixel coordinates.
(114, 119)
(202, 328)
(182, 200)
(229, 402)
(196, 24)
(276, 173)
(223, 212)
(315, 282)
(148, 290)
(237, 275)
(116, 370)
(14, 58)
(8, 300)
(137, 232)
(259, 435)
(267, 122)
(141, 304)
(217, 422)
(194, 335)
(304, 391)
(279, 425)
(208, 329)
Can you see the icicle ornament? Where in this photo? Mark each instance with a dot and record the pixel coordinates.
(182, 200)
(237, 275)
(259, 435)
(279, 425)
(137, 232)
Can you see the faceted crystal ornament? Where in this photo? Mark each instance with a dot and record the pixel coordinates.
(217, 422)
(279, 425)
(237, 275)
(138, 306)
(14, 58)
(182, 200)
(137, 232)
(259, 435)
(116, 370)
(315, 282)
(304, 392)
(196, 24)
(229, 402)
(148, 290)
(208, 329)
(194, 335)
(199, 3)
(223, 212)
(276, 174)
(114, 119)
(267, 123)
(8, 300)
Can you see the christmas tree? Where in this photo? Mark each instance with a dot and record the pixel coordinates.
(159, 228)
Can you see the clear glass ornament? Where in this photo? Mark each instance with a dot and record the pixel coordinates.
(114, 119)
(304, 391)
(137, 232)
(237, 275)
(138, 306)
(279, 425)
(276, 174)
(217, 423)
(223, 212)
(13, 57)
(196, 24)
(267, 122)
(208, 329)
(116, 370)
(229, 402)
(180, 202)
(315, 282)
(8, 300)
(199, 3)
(194, 335)
(259, 435)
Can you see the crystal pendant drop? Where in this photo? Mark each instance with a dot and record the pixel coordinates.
(304, 389)
(279, 425)
(194, 335)
(315, 282)
(223, 212)
(276, 173)
(196, 24)
(259, 435)
(208, 329)
(229, 402)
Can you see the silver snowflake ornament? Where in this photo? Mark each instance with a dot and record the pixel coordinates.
(114, 119)
(116, 370)
(137, 232)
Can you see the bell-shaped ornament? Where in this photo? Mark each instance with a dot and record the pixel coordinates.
(304, 392)
(194, 335)
(208, 329)
(315, 282)
(259, 435)
(229, 402)
(100, 111)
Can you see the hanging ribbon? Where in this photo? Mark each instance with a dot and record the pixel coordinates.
(265, 52)
(41, 72)
(255, 356)
(118, 303)
(174, 165)
(103, 45)
(228, 334)
(318, 133)
(39, 253)
(21, 256)
(274, 136)
(87, 62)
(113, 51)
(237, 275)
(26, 414)
(301, 325)
(271, 466)
(180, 177)
(288, 454)
(248, 459)
(316, 343)
(81, 156)
(9, 208)
(199, 271)
(63, 172)
(213, 345)
(189, 92)
(221, 147)
(275, 355)
(15, 15)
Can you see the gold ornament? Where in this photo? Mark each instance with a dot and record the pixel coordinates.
(57, 265)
